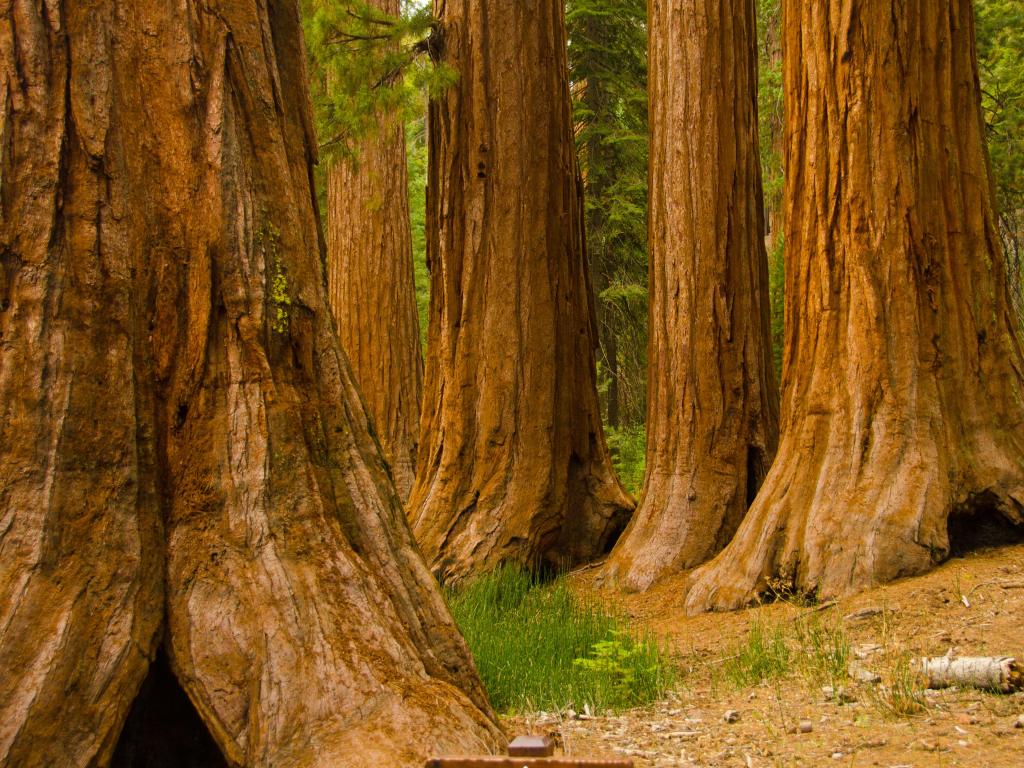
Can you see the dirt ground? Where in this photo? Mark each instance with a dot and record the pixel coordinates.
(970, 605)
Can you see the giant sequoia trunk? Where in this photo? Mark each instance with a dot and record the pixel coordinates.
(512, 463)
(712, 405)
(183, 457)
(903, 403)
(372, 288)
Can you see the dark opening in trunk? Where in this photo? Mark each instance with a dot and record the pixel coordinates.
(163, 729)
(979, 524)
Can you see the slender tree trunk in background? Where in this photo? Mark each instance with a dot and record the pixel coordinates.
(712, 403)
(183, 456)
(372, 287)
(513, 464)
(773, 121)
(608, 68)
(612, 354)
(903, 403)
(600, 255)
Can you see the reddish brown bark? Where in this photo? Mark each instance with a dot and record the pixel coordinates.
(712, 405)
(512, 464)
(372, 288)
(903, 381)
(183, 456)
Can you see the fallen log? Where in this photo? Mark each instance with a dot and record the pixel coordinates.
(998, 673)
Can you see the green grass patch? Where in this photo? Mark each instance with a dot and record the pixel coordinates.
(824, 651)
(538, 646)
(817, 650)
(902, 693)
(761, 656)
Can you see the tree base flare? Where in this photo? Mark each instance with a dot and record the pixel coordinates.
(806, 536)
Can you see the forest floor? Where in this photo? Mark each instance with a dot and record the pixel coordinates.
(970, 604)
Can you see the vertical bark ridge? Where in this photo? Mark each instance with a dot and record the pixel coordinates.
(512, 463)
(80, 531)
(903, 396)
(712, 415)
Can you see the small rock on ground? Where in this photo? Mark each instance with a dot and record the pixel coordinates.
(862, 674)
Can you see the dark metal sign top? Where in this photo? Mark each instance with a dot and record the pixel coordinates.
(531, 746)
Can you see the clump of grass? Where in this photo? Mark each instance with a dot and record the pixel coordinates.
(902, 695)
(539, 646)
(763, 655)
(824, 651)
(816, 650)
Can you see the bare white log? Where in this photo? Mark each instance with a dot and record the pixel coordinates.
(999, 673)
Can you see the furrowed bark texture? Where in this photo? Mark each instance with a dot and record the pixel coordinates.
(903, 403)
(179, 462)
(512, 465)
(712, 405)
(372, 287)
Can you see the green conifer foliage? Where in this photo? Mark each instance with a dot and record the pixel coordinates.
(364, 63)
(608, 68)
(1000, 39)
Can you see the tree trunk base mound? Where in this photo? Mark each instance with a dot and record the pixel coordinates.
(805, 537)
(673, 530)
